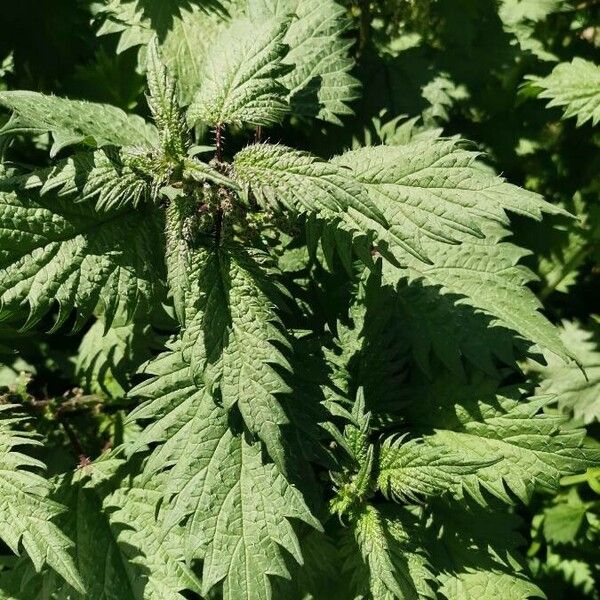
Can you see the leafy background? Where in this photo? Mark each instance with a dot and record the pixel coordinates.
(500, 73)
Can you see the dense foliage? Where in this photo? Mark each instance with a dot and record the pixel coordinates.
(271, 327)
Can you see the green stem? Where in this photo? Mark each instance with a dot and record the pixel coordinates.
(219, 157)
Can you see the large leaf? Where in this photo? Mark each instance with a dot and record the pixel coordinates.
(74, 121)
(486, 275)
(487, 585)
(232, 309)
(103, 176)
(186, 46)
(152, 557)
(438, 327)
(121, 550)
(396, 568)
(436, 189)
(299, 182)
(240, 76)
(236, 508)
(410, 470)
(476, 553)
(54, 251)
(320, 84)
(138, 21)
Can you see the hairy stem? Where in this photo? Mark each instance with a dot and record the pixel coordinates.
(219, 157)
(219, 142)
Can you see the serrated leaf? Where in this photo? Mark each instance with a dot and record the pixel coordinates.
(241, 74)
(156, 553)
(233, 310)
(577, 388)
(107, 358)
(564, 521)
(574, 87)
(27, 515)
(487, 276)
(466, 536)
(396, 567)
(411, 470)
(53, 251)
(164, 105)
(235, 506)
(319, 577)
(475, 552)
(74, 121)
(102, 176)
(187, 43)
(320, 84)
(178, 252)
(436, 189)
(121, 551)
(138, 21)
(530, 449)
(487, 585)
(438, 327)
(282, 178)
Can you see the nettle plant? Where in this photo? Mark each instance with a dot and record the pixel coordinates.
(340, 412)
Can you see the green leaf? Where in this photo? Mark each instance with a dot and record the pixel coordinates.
(528, 449)
(520, 18)
(74, 121)
(564, 521)
(575, 87)
(319, 577)
(187, 43)
(105, 176)
(107, 358)
(240, 83)
(235, 507)
(467, 537)
(577, 390)
(436, 189)
(396, 567)
(282, 178)
(410, 470)
(513, 11)
(202, 172)
(27, 515)
(487, 585)
(163, 103)
(54, 251)
(233, 310)
(440, 328)
(153, 555)
(122, 553)
(179, 219)
(138, 21)
(320, 84)
(475, 552)
(486, 275)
